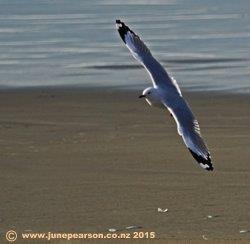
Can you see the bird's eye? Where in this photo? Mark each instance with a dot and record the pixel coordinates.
(149, 92)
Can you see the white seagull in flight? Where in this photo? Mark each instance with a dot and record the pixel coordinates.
(165, 93)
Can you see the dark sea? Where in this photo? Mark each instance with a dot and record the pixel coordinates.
(205, 45)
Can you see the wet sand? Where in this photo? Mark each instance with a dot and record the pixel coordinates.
(90, 160)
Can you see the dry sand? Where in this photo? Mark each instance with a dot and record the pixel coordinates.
(89, 160)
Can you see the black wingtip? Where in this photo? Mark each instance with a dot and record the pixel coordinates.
(122, 29)
(204, 163)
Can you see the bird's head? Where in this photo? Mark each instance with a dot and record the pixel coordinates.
(148, 92)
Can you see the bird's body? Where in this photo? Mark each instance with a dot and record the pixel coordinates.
(153, 97)
(165, 93)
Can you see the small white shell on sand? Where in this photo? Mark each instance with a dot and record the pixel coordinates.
(212, 216)
(243, 231)
(132, 227)
(112, 230)
(160, 210)
(204, 237)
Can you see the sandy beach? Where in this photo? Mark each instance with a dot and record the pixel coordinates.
(89, 160)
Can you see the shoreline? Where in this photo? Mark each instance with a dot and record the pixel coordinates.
(81, 88)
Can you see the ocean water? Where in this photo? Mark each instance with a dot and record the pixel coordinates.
(205, 45)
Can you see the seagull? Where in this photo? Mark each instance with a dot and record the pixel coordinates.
(165, 93)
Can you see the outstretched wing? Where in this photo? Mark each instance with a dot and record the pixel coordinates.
(140, 52)
(189, 129)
